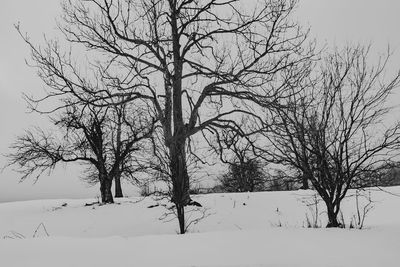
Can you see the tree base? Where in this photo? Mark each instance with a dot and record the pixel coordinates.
(334, 225)
(194, 203)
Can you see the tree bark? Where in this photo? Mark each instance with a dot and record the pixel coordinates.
(304, 180)
(180, 180)
(181, 218)
(105, 189)
(180, 176)
(118, 188)
(332, 216)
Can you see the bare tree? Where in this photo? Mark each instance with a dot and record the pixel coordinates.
(129, 132)
(245, 176)
(335, 131)
(86, 135)
(245, 170)
(198, 64)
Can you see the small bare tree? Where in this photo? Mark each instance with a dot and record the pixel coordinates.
(245, 170)
(245, 176)
(334, 131)
(86, 135)
(129, 133)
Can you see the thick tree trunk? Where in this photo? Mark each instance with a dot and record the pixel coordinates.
(332, 212)
(118, 188)
(105, 189)
(181, 218)
(304, 180)
(180, 178)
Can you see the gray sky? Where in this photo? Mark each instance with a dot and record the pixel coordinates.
(332, 22)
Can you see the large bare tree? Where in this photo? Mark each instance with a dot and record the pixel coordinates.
(199, 64)
(336, 131)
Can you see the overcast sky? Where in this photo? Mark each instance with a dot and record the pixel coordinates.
(331, 21)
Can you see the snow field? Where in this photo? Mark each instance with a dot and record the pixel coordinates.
(245, 229)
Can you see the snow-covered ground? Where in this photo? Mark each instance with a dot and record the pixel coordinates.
(246, 229)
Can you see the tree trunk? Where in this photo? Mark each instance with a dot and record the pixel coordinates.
(180, 181)
(118, 188)
(304, 180)
(181, 218)
(332, 215)
(105, 189)
(118, 159)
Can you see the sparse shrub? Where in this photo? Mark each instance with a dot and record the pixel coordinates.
(362, 209)
(244, 176)
(312, 216)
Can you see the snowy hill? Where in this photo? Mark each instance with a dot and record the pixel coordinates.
(244, 229)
